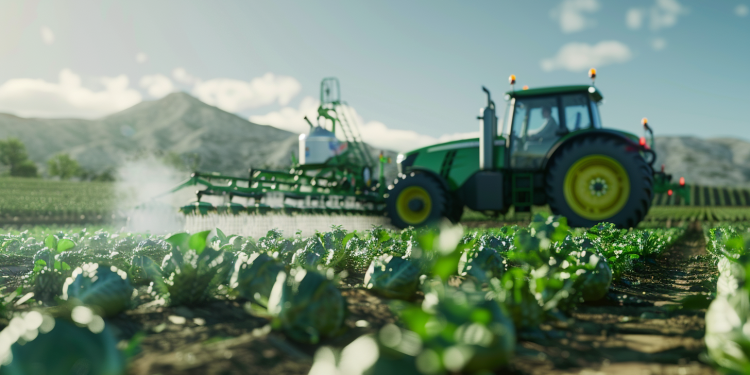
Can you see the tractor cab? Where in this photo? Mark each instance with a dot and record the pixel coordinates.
(537, 119)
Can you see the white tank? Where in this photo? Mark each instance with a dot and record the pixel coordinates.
(318, 146)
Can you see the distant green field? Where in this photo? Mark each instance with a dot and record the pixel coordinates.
(39, 201)
(25, 200)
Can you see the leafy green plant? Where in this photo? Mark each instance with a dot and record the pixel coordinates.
(38, 343)
(307, 306)
(392, 277)
(727, 339)
(482, 263)
(253, 277)
(189, 275)
(105, 289)
(461, 330)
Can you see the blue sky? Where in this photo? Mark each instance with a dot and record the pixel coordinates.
(412, 70)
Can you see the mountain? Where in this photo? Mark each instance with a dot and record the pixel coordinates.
(177, 123)
(710, 162)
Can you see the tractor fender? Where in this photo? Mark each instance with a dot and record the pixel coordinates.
(437, 177)
(592, 133)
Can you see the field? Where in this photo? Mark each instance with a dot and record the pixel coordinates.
(37, 201)
(520, 294)
(534, 299)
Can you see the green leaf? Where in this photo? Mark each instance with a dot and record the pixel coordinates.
(695, 302)
(346, 239)
(179, 241)
(447, 265)
(51, 242)
(39, 265)
(198, 241)
(65, 244)
(221, 235)
(383, 236)
(153, 272)
(134, 345)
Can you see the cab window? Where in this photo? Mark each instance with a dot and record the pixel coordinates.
(537, 119)
(595, 113)
(536, 128)
(576, 108)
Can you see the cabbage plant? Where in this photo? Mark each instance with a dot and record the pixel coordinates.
(194, 277)
(107, 289)
(392, 277)
(253, 277)
(727, 339)
(190, 274)
(307, 306)
(463, 330)
(37, 343)
(482, 263)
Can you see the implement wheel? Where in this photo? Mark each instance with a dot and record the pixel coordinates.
(599, 179)
(415, 201)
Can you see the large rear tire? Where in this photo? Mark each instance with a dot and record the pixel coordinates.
(416, 200)
(599, 179)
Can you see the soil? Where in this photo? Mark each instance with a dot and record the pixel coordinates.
(640, 328)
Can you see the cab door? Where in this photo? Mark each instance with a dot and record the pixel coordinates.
(540, 122)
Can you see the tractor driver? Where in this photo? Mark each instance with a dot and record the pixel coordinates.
(549, 128)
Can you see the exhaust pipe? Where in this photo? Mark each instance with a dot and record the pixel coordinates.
(487, 134)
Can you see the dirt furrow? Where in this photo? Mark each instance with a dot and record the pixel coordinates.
(640, 328)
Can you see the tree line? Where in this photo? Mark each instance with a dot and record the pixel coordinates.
(14, 156)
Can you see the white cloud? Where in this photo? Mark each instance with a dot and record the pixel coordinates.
(662, 14)
(380, 136)
(658, 44)
(742, 10)
(634, 18)
(181, 75)
(141, 57)
(374, 133)
(289, 118)
(48, 37)
(571, 14)
(665, 13)
(66, 98)
(157, 85)
(235, 95)
(580, 56)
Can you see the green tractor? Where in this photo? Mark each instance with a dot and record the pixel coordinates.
(552, 150)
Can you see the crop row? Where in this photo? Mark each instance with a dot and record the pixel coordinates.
(502, 282)
(33, 197)
(728, 316)
(698, 213)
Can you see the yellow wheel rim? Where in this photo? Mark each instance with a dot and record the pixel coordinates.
(596, 187)
(409, 215)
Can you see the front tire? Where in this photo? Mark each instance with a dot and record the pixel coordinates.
(599, 179)
(416, 200)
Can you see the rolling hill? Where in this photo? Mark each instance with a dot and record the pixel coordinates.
(177, 123)
(707, 162)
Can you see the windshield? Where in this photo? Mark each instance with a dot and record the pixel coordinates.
(595, 113)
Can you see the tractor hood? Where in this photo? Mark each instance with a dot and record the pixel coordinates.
(406, 159)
